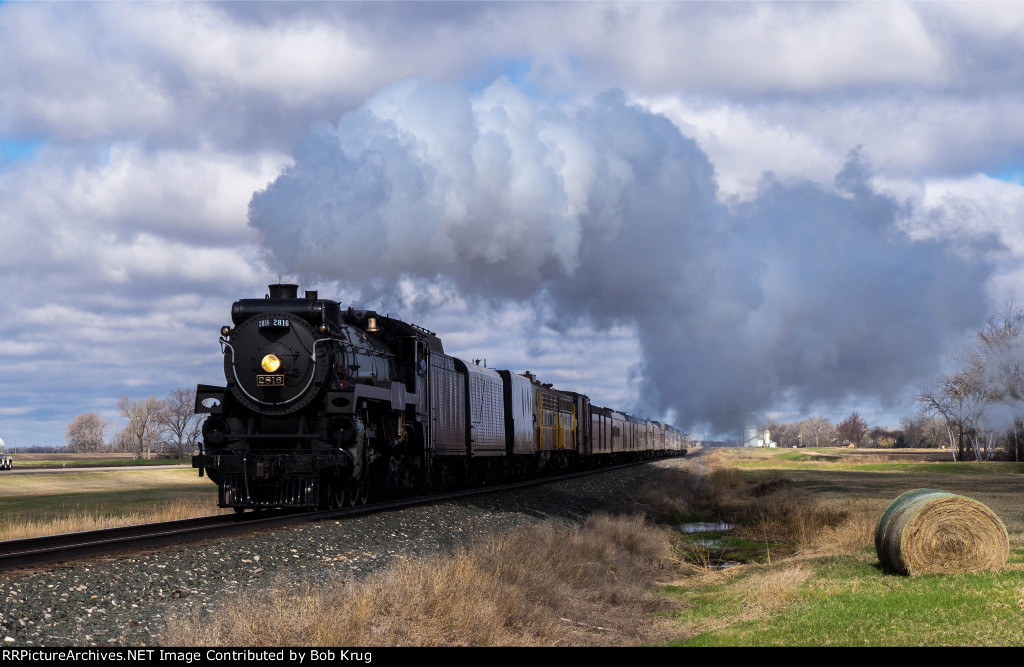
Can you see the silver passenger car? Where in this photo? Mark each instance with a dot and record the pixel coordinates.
(486, 410)
(448, 405)
(520, 406)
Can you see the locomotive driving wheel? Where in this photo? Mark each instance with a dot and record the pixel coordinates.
(361, 494)
(400, 479)
(336, 495)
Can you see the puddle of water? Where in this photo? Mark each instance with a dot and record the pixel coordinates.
(704, 527)
(708, 544)
(711, 544)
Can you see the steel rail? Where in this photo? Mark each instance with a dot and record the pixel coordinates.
(31, 551)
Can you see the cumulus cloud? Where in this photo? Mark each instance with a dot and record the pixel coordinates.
(119, 269)
(133, 137)
(606, 214)
(245, 75)
(907, 135)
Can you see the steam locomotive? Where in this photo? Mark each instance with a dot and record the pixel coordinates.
(323, 404)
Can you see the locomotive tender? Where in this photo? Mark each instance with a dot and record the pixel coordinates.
(322, 403)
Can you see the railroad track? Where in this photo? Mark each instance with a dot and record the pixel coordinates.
(33, 551)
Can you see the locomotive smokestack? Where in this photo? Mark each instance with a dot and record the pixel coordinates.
(283, 291)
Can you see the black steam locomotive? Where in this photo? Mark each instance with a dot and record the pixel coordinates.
(323, 403)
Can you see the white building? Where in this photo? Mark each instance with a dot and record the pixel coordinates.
(754, 438)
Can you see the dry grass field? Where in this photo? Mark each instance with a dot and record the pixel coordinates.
(33, 461)
(83, 499)
(35, 457)
(869, 479)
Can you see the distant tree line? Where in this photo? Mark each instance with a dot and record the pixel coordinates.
(981, 406)
(976, 412)
(917, 430)
(168, 426)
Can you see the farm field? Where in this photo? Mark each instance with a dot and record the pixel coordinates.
(84, 499)
(75, 460)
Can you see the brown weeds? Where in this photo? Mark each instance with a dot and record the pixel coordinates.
(769, 505)
(543, 586)
(76, 520)
(772, 589)
(846, 537)
(785, 515)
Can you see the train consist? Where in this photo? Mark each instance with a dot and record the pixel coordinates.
(323, 404)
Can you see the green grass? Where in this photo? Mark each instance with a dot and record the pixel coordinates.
(713, 546)
(850, 602)
(802, 456)
(707, 605)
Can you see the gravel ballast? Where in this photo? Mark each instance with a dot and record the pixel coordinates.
(125, 599)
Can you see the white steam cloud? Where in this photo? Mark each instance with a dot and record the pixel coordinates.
(605, 213)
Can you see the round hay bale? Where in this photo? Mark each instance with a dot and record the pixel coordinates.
(931, 531)
(883, 521)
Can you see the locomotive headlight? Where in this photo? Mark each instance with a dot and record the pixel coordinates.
(215, 430)
(270, 363)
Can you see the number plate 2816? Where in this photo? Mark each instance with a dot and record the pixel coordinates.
(269, 380)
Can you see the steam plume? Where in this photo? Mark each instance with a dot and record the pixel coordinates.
(606, 213)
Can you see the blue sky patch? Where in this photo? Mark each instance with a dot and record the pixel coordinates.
(1011, 172)
(12, 150)
(516, 69)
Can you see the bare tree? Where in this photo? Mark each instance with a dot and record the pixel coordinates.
(142, 431)
(913, 430)
(960, 401)
(934, 432)
(982, 404)
(787, 435)
(997, 366)
(1014, 439)
(178, 420)
(1000, 355)
(121, 442)
(852, 429)
(85, 433)
(944, 405)
(816, 432)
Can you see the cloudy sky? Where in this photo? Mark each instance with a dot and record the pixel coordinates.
(709, 213)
